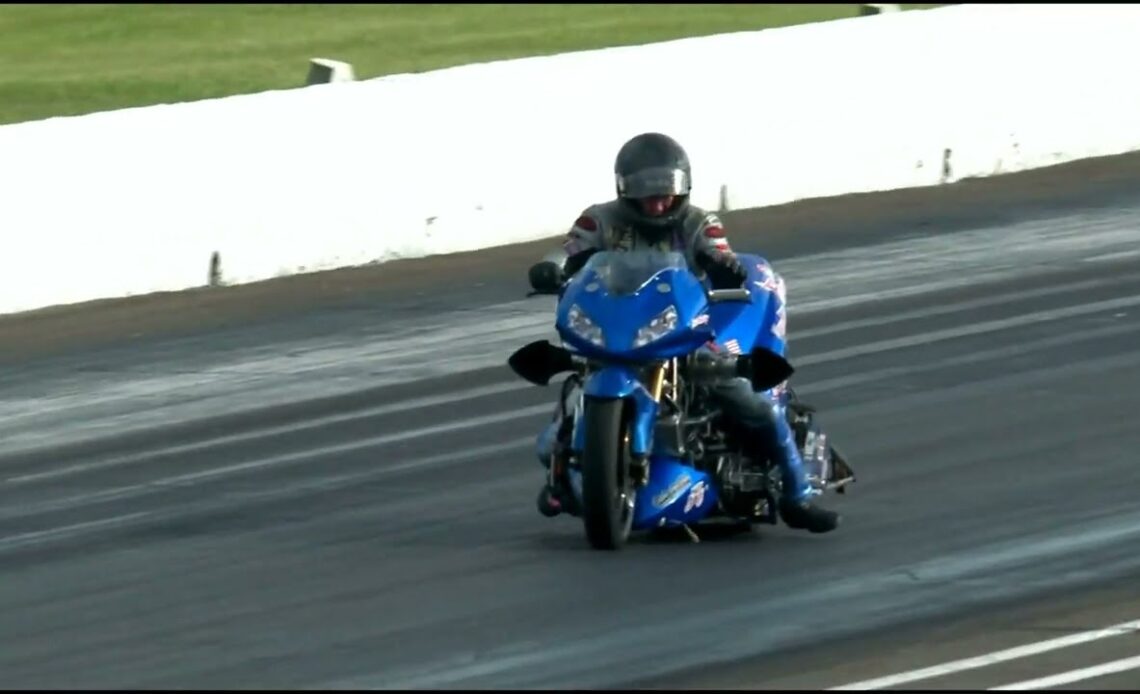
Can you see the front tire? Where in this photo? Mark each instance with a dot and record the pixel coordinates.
(607, 490)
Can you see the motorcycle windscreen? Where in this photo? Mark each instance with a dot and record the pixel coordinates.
(625, 273)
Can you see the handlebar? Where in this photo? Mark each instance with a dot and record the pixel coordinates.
(719, 295)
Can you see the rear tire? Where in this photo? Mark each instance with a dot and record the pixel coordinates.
(607, 490)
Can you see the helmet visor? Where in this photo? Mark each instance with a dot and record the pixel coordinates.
(653, 182)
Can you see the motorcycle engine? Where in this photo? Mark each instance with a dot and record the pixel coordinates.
(745, 491)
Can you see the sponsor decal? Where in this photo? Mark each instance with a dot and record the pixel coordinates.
(780, 327)
(696, 496)
(673, 492)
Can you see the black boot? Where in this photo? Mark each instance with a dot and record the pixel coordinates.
(805, 516)
(555, 497)
(548, 503)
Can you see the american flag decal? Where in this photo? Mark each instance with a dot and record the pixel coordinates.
(732, 346)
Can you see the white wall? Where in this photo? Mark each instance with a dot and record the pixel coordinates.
(136, 200)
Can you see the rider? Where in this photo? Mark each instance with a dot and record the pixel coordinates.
(652, 211)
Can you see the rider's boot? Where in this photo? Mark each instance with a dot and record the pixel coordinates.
(550, 450)
(548, 503)
(767, 432)
(804, 515)
(796, 507)
(555, 497)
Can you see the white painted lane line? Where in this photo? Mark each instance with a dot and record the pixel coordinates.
(1122, 665)
(1108, 257)
(1001, 353)
(270, 494)
(969, 330)
(988, 659)
(997, 299)
(41, 536)
(276, 430)
(144, 488)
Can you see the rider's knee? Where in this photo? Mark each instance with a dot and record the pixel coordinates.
(755, 408)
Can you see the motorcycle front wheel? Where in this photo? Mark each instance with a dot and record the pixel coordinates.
(607, 489)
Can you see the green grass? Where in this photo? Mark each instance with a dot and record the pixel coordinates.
(60, 60)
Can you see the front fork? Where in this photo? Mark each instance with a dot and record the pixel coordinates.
(661, 378)
(554, 443)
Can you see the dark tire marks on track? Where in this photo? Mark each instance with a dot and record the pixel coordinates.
(356, 541)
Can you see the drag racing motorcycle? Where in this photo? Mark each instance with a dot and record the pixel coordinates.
(645, 447)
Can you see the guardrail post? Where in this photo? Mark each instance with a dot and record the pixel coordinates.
(324, 70)
(215, 277)
(877, 8)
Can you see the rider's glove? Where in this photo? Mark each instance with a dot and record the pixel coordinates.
(545, 277)
(724, 270)
(577, 261)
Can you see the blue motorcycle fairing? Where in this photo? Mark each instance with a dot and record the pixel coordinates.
(676, 494)
(619, 382)
(669, 283)
(756, 324)
(622, 292)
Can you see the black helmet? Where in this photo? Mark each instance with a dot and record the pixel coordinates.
(648, 165)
